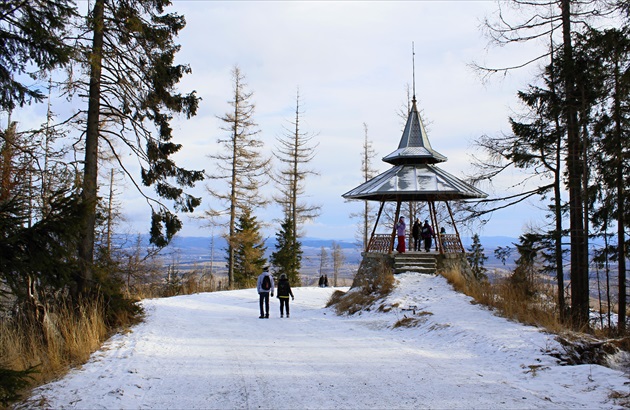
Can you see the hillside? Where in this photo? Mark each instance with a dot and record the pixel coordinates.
(211, 351)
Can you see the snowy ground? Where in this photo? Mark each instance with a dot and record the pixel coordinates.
(211, 351)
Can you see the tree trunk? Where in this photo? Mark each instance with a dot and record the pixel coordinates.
(621, 220)
(90, 170)
(579, 246)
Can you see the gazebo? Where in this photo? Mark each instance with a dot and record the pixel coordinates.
(414, 177)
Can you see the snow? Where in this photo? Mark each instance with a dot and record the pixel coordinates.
(210, 350)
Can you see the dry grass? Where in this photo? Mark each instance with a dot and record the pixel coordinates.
(351, 302)
(621, 398)
(195, 281)
(370, 288)
(412, 321)
(63, 338)
(533, 306)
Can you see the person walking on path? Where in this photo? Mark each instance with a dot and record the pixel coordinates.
(427, 234)
(415, 233)
(400, 231)
(284, 291)
(264, 286)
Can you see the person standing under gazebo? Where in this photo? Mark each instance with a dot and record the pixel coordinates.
(427, 234)
(415, 233)
(400, 231)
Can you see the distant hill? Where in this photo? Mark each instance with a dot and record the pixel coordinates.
(199, 248)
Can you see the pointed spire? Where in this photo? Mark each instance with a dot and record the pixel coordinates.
(414, 146)
(413, 68)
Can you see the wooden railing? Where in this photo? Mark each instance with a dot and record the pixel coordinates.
(380, 243)
(448, 243)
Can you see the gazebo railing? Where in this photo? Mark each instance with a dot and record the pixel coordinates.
(450, 243)
(380, 243)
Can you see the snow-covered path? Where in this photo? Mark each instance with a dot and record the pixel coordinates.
(211, 351)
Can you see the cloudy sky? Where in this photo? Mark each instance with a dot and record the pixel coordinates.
(352, 62)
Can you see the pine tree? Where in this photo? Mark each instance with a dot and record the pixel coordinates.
(287, 258)
(522, 278)
(249, 250)
(554, 22)
(609, 51)
(241, 165)
(476, 258)
(128, 52)
(536, 146)
(32, 37)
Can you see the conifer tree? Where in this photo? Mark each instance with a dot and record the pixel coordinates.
(609, 51)
(33, 38)
(555, 22)
(522, 278)
(476, 258)
(249, 250)
(536, 146)
(288, 255)
(128, 52)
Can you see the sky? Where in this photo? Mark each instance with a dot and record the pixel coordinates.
(353, 65)
(210, 351)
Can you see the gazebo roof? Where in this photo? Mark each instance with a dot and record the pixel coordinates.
(414, 146)
(420, 182)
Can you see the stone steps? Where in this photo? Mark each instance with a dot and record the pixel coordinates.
(424, 263)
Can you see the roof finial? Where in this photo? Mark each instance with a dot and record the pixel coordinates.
(413, 65)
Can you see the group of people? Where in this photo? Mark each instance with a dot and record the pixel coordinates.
(418, 232)
(323, 281)
(265, 286)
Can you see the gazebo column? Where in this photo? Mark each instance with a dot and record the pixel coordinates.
(434, 224)
(391, 244)
(378, 217)
(454, 226)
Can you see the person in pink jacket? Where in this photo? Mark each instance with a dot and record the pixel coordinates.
(400, 231)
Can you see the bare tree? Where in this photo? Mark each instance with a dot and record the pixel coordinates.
(365, 216)
(294, 151)
(241, 165)
(338, 260)
(323, 261)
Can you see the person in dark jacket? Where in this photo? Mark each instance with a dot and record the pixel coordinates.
(415, 232)
(427, 234)
(284, 291)
(264, 293)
